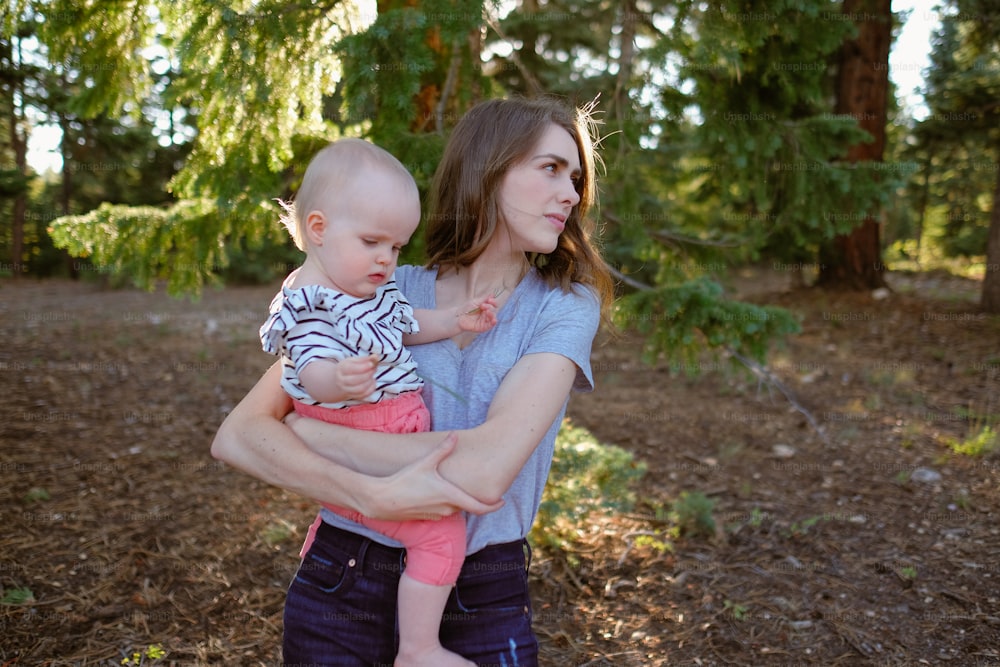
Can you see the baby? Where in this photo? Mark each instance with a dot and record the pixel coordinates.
(340, 326)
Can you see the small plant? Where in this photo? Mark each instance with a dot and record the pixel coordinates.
(36, 494)
(17, 596)
(802, 527)
(983, 434)
(692, 513)
(962, 500)
(986, 441)
(738, 611)
(873, 403)
(138, 658)
(654, 542)
(276, 532)
(909, 435)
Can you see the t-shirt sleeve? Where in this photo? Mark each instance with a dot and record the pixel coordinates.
(402, 312)
(567, 325)
(406, 279)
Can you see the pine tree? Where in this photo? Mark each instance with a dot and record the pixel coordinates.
(962, 133)
(16, 75)
(720, 143)
(854, 259)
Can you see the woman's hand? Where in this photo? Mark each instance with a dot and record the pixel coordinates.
(419, 492)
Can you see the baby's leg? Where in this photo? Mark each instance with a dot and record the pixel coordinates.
(434, 554)
(420, 608)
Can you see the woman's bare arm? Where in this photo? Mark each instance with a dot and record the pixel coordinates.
(254, 439)
(488, 457)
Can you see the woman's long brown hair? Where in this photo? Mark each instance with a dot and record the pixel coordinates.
(464, 210)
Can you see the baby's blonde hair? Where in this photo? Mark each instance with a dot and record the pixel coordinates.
(328, 180)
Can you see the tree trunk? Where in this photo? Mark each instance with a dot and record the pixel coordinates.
(66, 187)
(66, 191)
(19, 144)
(854, 260)
(990, 297)
(625, 60)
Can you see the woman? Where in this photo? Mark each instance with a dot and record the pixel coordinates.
(507, 217)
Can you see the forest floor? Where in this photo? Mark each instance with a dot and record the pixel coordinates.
(867, 541)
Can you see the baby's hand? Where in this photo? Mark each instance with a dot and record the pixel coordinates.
(330, 381)
(478, 315)
(355, 376)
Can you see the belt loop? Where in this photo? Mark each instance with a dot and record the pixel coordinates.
(526, 550)
(362, 552)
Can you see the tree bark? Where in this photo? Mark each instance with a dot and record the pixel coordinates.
(854, 260)
(990, 297)
(19, 144)
(66, 189)
(66, 186)
(626, 63)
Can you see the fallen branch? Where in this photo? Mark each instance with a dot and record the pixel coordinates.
(761, 372)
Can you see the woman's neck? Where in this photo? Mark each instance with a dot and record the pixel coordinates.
(492, 273)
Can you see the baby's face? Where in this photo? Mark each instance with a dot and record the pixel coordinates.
(363, 237)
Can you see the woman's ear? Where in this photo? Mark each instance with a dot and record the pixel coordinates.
(315, 227)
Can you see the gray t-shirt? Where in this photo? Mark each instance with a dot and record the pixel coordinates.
(459, 384)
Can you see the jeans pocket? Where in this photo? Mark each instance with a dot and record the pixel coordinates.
(500, 591)
(323, 575)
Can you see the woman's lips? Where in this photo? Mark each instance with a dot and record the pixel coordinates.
(558, 221)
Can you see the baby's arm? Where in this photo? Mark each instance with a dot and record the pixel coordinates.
(476, 315)
(330, 381)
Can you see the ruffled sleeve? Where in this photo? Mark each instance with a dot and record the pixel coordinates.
(402, 312)
(305, 324)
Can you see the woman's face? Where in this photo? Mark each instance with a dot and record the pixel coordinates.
(537, 195)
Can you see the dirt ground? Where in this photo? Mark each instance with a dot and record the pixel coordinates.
(867, 541)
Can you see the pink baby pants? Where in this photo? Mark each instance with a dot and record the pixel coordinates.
(434, 549)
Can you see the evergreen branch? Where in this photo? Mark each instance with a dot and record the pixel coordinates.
(631, 282)
(759, 371)
(673, 237)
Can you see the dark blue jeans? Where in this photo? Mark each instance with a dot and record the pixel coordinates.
(341, 606)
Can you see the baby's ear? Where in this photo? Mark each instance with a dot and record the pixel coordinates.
(315, 227)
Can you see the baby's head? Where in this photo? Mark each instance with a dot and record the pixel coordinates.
(331, 181)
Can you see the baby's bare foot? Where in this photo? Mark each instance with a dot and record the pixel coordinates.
(433, 657)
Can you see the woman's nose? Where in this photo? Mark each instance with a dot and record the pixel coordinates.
(571, 196)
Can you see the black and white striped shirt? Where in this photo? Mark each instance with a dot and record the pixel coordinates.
(315, 322)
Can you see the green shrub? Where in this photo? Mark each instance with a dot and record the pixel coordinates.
(985, 442)
(587, 476)
(692, 514)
